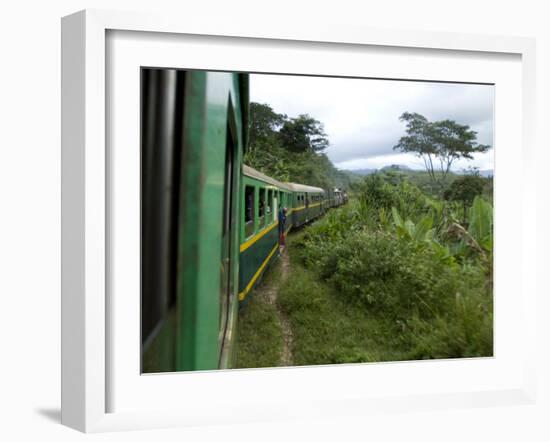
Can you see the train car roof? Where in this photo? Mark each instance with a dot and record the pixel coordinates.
(253, 173)
(303, 188)
(293, 187)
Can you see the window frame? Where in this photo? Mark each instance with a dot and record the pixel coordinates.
(262, 191)
(253, 214)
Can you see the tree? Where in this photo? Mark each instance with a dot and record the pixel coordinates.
(464, 189)
(264, 123)
(454, 141)
(290, 149)
(438, 143)
(303, 134)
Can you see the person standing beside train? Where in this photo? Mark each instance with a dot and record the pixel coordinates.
(282, 220)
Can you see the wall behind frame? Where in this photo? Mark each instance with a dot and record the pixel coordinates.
(30, 225)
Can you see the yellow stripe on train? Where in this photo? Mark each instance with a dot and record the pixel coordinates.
(245, 245)
(253, 279)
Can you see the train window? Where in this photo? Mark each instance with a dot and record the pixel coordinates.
(261, 208)
(307, 200)
(276, 204)
(161, 147)
(248, 211)
(269, 207)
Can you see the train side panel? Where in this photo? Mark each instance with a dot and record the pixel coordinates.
(199, 136)
(259, 230)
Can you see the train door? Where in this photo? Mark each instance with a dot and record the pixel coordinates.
(225, 265)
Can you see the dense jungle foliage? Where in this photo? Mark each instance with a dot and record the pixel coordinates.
(402, 272)
(291, 149)
(418, 264)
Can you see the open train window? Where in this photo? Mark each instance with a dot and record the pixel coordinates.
(269, 207)
(261, 208)
(162, 105)
(248, 211)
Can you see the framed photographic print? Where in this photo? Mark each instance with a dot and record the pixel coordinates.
(275, 223)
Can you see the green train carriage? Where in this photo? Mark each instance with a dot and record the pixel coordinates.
(194, 131)
(261, 197)
(209, 224)
(308, 203)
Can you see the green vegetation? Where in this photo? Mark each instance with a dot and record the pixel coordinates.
(328, 330)
(402, 272)
(260, 338)
(411, 273)
(464, 189)
(291, 149)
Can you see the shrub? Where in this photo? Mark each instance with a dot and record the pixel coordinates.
(464, 330)
(401, 266)
(379, 193)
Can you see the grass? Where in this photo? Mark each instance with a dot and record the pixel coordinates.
(326, 330)
(329, 328)
(259, 336)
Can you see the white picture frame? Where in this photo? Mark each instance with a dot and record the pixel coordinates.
(85, 205)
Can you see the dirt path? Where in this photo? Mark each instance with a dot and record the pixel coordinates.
(270, 296)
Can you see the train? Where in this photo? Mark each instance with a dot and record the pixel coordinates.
(209, 223)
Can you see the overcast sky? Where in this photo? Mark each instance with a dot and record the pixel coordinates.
(361, 116)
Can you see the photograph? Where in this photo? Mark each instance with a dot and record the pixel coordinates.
(295, 220)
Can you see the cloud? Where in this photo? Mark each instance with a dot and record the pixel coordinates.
(361, 116)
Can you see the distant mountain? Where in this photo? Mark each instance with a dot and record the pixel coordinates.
(362, 171)
(401, 167)
(487, 173)
(396, 167)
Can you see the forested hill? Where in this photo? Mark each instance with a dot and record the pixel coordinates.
(291, 149)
